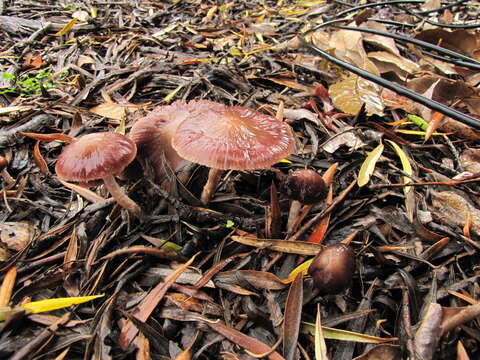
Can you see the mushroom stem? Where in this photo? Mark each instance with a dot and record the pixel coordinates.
(214, 176)
(122, 199)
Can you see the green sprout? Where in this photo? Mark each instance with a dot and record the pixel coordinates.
(229, 224)
(30, 83)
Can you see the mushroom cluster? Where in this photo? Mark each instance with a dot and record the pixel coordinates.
(211, 134)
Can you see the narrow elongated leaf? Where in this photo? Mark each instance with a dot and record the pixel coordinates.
(368, 165)
(36, 307)
(338, 334)
(300, 269)
(286, 246)
(320, 346)
(293, 317)
(68, 26)
(251, 344)
(149, 303)
(39, 160)
(407, 168)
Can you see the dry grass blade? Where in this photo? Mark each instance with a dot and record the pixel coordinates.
(286, 246)
(248, 343)
(320, 346)
(293, 317)
(87, 194)
(148, 304)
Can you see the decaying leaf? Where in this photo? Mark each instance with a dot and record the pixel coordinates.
(16, 235)
(453, 208)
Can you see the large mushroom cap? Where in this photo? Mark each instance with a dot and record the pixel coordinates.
(231, 137)
(95, 156)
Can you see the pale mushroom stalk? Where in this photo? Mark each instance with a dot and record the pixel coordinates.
(214, 176)
(122, 199)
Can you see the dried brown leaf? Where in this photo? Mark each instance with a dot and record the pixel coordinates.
(293, 317)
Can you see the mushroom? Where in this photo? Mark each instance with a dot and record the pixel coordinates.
(333, 268)
(153, 136)
(9, 181)
(304, 187)
(99, 156)
(230, 138)
(211, 134)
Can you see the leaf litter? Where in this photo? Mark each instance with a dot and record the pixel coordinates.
(409, 210)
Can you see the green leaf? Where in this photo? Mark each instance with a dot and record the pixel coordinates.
(229, 224)
(417, 120)
(7, 76)
(368, 165)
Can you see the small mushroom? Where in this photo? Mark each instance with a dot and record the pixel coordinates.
(153, 136)
(304, 187)
(230, 138)
(333, 268)
(9, 181)
(99, 156)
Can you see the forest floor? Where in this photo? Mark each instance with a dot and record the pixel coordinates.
(381, 96)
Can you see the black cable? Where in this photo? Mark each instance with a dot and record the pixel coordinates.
(432, 104)
(450, 26)
(444, 7)
(422, 43)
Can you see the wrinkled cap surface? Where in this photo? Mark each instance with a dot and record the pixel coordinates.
(231, 137)
(95, 156)
(153, 135)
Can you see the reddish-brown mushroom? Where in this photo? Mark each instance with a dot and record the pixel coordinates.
(153, 136)
(99, 156)
(304, 187)
(230, 137)
(333, 268)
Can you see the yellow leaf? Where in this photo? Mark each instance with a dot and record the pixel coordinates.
(368, 165)
(36, 307)
(320, 346)
(416, 132)
(67, 27)
(407, 168)
(172, 94)
(337, 334)
(302, 268)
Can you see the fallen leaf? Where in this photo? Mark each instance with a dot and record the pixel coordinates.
(16, 235)
(292, 317)
(368, 166)
(110, 110)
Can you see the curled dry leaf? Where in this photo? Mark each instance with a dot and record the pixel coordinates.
(16, 235)
(428, 333)
(453, 208)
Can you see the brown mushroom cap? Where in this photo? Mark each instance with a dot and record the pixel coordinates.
(333, 268)
(153, 135)
(305, 185)
(95, 156)
(231, 137)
